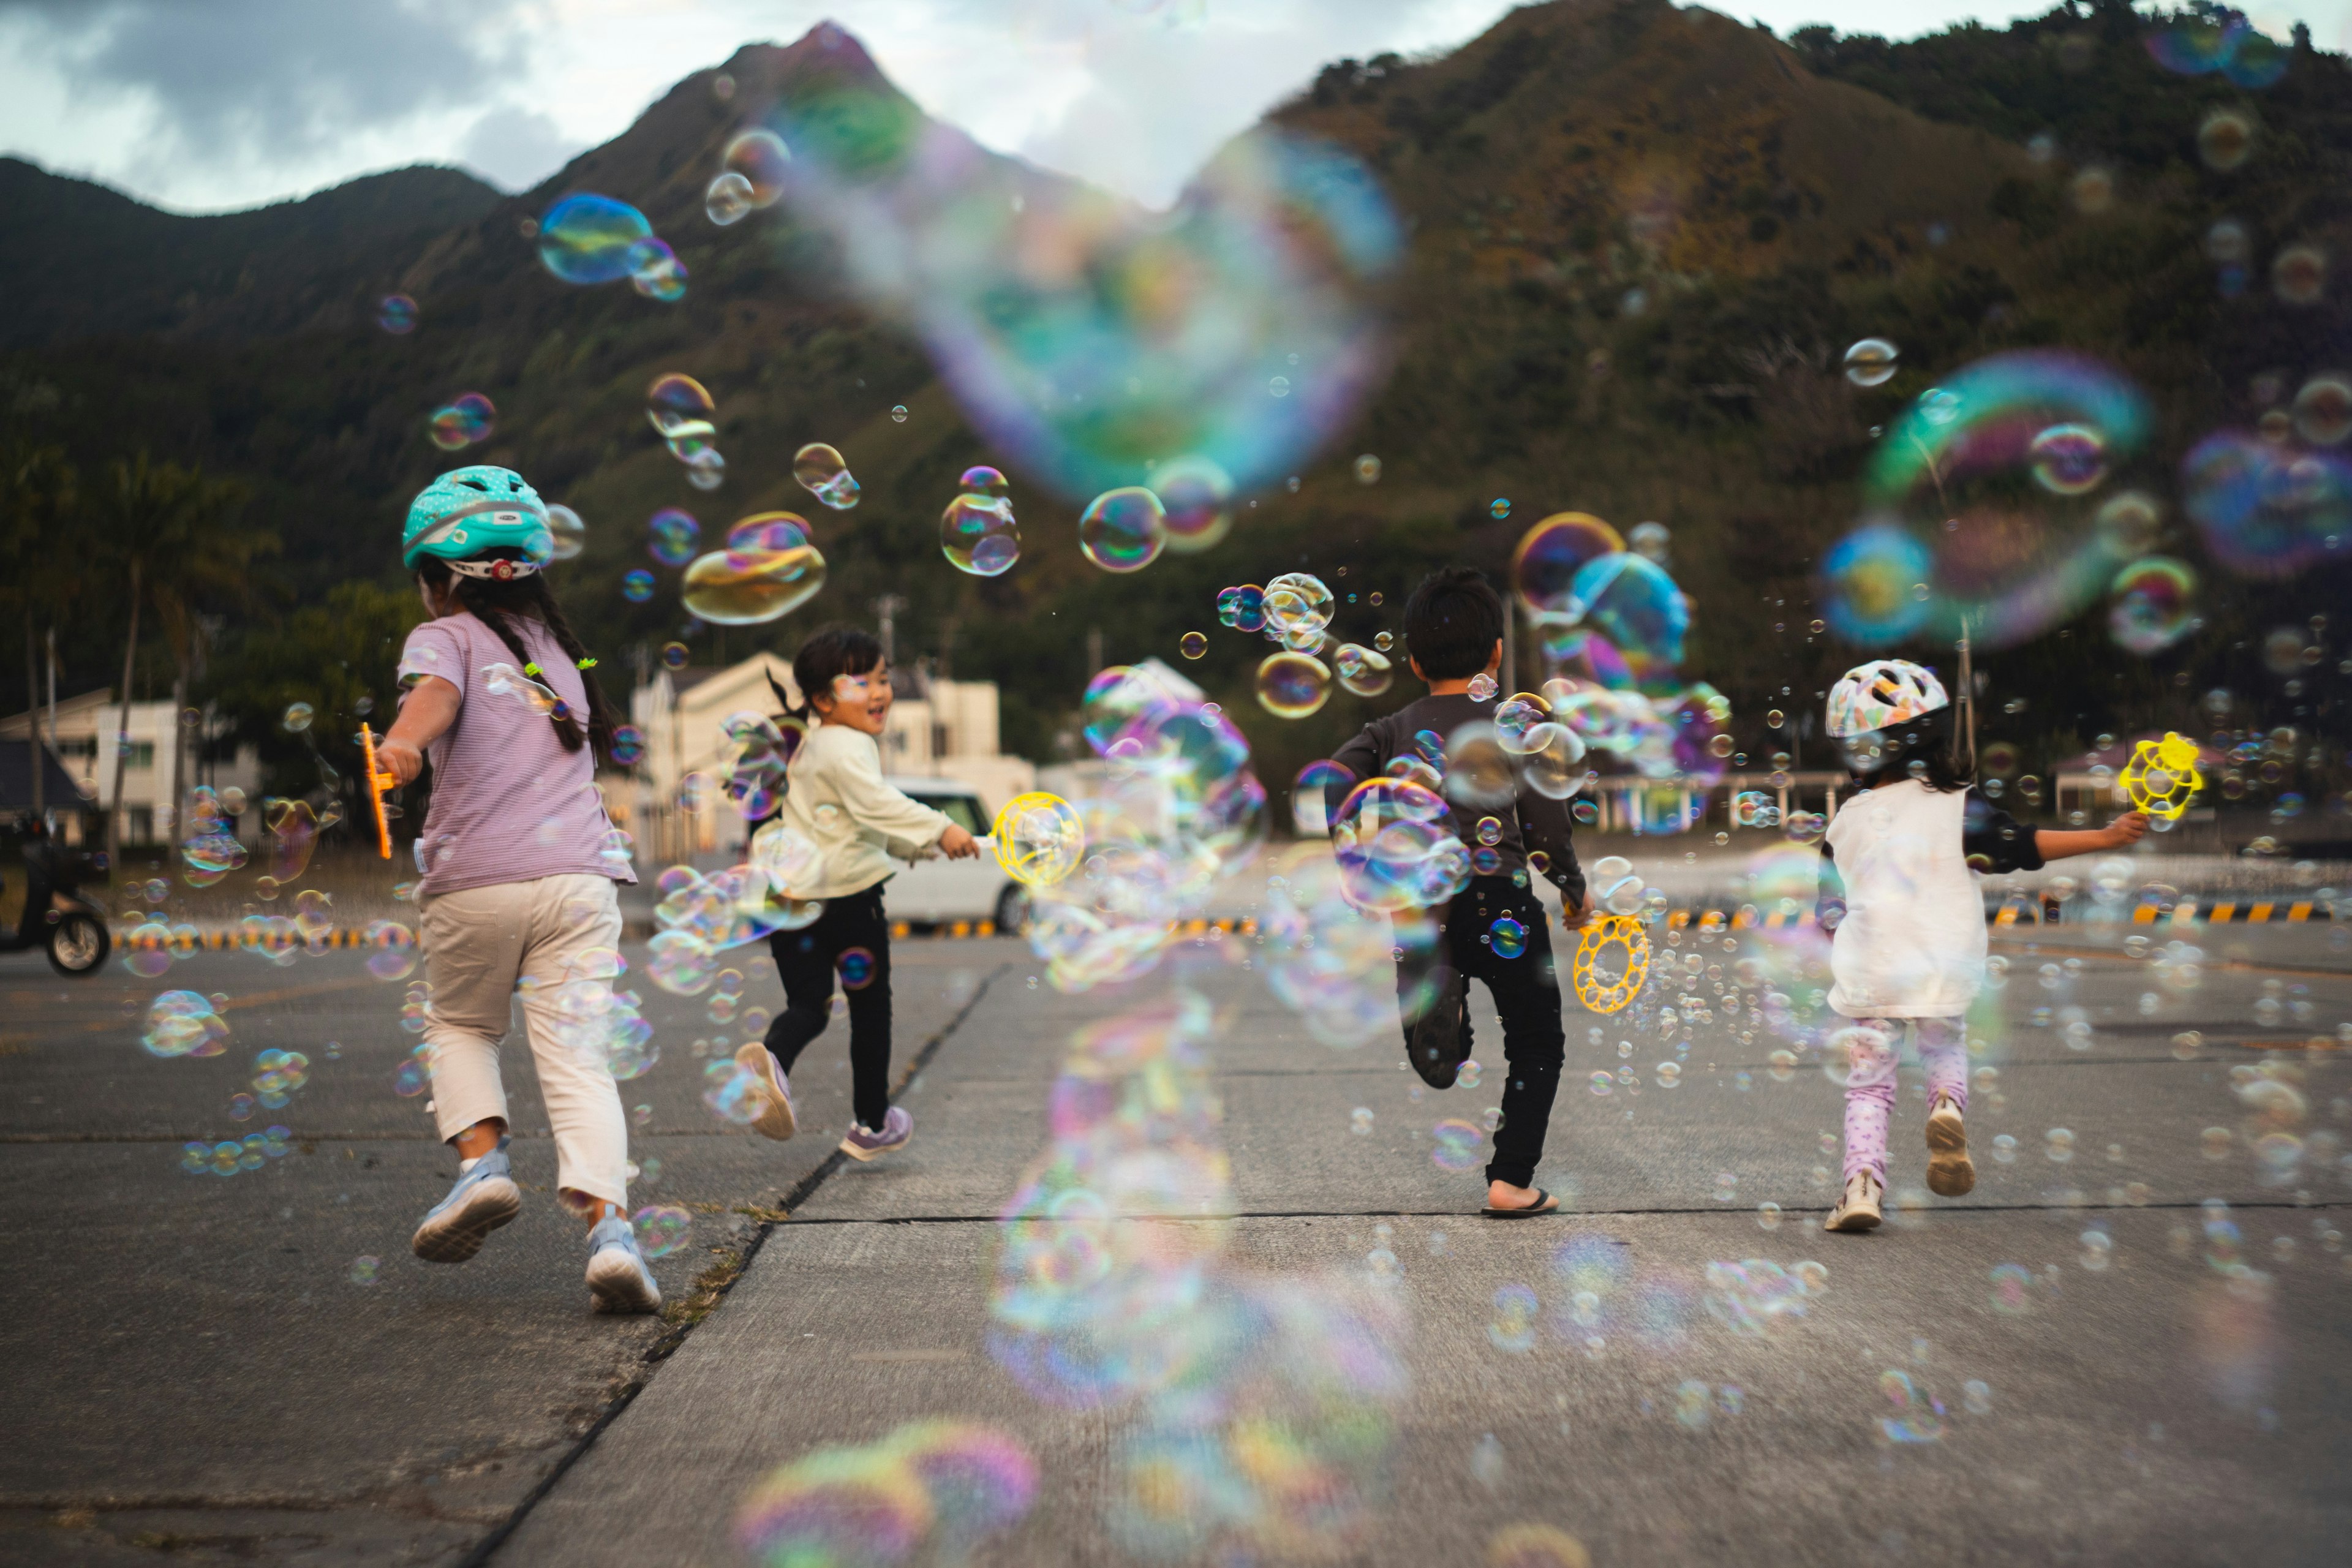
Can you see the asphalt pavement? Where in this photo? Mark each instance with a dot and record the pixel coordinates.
(2097, 1367)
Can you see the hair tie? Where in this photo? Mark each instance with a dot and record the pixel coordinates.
(585, 664)
(532, 669)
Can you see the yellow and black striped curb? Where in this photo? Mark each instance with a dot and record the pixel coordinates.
(221, 939)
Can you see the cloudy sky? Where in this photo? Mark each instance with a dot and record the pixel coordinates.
(204, 105)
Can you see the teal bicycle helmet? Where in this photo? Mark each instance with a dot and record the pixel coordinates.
(470, 512)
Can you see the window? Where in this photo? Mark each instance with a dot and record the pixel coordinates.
(139, 825)
(959, 809)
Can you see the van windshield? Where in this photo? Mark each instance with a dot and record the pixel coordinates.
(959, 809)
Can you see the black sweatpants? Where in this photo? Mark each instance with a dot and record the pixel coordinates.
(806, 962)
(1527, 994)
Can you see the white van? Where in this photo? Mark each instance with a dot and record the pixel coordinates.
(942, 890)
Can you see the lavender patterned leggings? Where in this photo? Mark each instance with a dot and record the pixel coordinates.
(1872, 1046)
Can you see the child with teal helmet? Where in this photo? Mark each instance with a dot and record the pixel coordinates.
(518, 863)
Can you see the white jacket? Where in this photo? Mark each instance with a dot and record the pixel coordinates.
(835, 798)
(1912, 944)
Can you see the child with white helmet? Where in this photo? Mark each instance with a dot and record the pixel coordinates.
(1898, 889)
(516, 893)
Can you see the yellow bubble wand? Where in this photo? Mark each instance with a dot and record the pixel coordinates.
(2162, 777)
(377, 784)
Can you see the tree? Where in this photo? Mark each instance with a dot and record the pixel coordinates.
(170, 535)
(39, 575)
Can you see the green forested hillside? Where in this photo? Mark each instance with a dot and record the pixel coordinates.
(1639, 240)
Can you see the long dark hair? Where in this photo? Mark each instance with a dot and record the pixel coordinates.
(496, 604)
(1918, 750)
(837, 649)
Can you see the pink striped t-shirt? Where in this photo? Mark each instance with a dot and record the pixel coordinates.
(510, 804)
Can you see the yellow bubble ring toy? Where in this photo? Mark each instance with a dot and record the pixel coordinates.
(2162, 775)
(1039, 838)
(1592, 988)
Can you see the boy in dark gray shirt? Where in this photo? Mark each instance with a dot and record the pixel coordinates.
(1454, 631)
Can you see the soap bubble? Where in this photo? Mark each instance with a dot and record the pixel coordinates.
(466, 418)
(1123, 529)
(1367, 469)
(2265, 510)
(978, 535)
(296, 718)
(184, 1024)
(1455, 1144)
(396, 314)
(1298, 601)
(2225, 138)
(671, 536)
(1363, 670)
(1509, 937)
(2155, 604)
(744, 588)
(1310, 811)
(2068, 459)
(390, 948)
(1550, 555)
(2322, 410)
(656, 272)
(1649, 540)
(567, 534)
(661, 1230)
(1293, 684)
(2299, 274)
(1197, 496)
(825, 475)
(1359, 1121)
(679, 407)
(762, 159)
(365, 1269)
(1870, 575)
(728, 199)
(638, 586)
(587, 238)
(1192, 644)
(1870, 361)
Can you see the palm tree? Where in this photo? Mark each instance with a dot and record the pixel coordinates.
(38, 576)
(168, 531)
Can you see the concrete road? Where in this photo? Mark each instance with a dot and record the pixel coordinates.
(192, 1368)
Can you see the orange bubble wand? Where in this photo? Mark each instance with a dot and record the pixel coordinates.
(377, 782)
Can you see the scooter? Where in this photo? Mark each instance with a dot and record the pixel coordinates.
(56, 916)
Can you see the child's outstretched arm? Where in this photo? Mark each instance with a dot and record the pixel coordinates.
(2057, 843)
(872, 802)
(427, 708)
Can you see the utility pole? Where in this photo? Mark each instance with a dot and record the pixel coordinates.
(886, 610)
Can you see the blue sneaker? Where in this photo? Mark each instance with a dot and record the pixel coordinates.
(485, 1198)
(618, 1279)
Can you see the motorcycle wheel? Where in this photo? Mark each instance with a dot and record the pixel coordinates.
(79, 943)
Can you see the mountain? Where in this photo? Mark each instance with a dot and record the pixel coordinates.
(79, 261)
(1639, 240)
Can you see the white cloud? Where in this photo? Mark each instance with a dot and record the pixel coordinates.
(214, 103)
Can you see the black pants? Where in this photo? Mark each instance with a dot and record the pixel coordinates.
(806, 962)
(1527, 994)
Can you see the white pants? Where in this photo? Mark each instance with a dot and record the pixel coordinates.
(478, 943)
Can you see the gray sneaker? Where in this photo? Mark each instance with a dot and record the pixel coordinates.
(864, 1142)
(618, 1279)
(485, 1198)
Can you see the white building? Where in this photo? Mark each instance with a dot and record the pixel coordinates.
(938, 729)
(82, 737)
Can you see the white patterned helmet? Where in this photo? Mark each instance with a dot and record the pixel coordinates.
(1884, 692)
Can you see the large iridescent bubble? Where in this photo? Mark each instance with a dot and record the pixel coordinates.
(1083, 336)
(1550, 555)
(1989, 487)
(2266, 509)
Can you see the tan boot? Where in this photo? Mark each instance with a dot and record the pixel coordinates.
(1950, 1173)
(1858, 1209)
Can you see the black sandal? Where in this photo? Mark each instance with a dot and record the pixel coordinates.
(1545, 1204)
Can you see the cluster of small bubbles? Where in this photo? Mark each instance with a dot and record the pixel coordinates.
(227, 1158)
(938, 1488)
(185, 1024)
